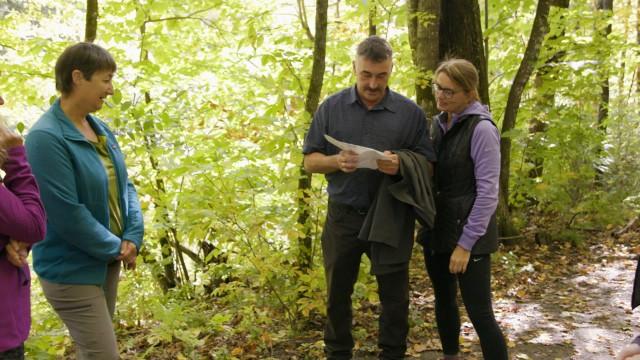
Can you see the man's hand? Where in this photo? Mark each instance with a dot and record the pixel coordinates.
(128, 254)
(347, 161)
(17, 252)
(391, 166)
(459, 260)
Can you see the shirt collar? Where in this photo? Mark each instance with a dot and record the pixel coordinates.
(388, 102)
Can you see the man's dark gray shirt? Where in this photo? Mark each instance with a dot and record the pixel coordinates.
(393, 124)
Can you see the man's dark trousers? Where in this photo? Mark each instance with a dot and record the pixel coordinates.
(342, 251)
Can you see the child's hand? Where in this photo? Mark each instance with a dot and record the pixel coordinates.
(17, 252)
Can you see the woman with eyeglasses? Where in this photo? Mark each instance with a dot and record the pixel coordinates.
(22, 223)
(457, 252)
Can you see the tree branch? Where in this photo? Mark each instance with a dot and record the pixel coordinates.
(91, 25)
(191, 16)
(302, 15)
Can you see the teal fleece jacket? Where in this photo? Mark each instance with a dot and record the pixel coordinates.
(74, 189)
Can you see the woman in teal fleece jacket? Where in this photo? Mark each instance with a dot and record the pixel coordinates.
(94, 220)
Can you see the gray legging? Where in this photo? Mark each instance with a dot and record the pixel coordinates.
(87, 311)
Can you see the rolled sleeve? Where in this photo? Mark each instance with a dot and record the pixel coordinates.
(314, 140)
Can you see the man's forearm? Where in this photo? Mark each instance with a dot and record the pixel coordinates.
(320, 163)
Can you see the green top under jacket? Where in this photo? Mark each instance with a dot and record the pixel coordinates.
(115, 212)
(74, 188)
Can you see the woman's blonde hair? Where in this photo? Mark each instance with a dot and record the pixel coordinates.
(463, 73)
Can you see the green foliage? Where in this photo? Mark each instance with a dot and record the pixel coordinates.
(583, 180)
(48, 338)
(209, 110)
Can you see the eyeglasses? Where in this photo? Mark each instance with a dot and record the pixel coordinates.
(447, 93)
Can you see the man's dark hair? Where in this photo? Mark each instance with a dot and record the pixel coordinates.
(84, 56)
(375, 48)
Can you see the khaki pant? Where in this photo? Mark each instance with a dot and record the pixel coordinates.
(87, 311)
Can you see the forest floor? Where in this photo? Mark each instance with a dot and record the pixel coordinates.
(556, 301)
(564, 302)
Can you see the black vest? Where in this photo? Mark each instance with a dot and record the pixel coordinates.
(455, 188)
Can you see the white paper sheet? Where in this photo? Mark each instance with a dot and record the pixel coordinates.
(366, 156)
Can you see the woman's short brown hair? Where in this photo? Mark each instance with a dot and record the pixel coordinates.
(463, 73)
(84, 56)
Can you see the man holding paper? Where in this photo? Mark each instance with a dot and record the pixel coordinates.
(367, 115)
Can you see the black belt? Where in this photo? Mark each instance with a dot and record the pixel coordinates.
(349, 208)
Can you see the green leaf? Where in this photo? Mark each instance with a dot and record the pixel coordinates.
(125, 105)
(117, 96)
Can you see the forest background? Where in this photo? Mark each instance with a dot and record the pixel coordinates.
(212, 102)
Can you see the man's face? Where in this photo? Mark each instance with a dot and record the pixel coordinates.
(371, 79)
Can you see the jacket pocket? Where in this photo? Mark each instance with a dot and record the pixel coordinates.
(451, 217)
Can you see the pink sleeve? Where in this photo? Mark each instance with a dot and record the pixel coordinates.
(22, 215)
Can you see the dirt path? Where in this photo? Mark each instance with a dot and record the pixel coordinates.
(582, 313)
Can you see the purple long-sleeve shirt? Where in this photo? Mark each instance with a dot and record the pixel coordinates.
(22, 217)
(485, 153)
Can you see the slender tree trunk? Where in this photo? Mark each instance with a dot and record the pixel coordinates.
(623, 66)
(423, 24)
(302, 16)
(539, 30)
(603, 105)
(169, 278)
(486, 26)
(638, 43)
(305, 241)
(372, 19)
(91, 27)
(461, 36)
(544, 101)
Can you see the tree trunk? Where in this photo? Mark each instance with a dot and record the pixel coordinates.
(461, 36)
(302, 16)
(544, 101)
(486, 26)
(638, 42)
(305, 240)
(372, 19)
(539, 30)
(603, 105)
(623, 66)
(423, 24)
(91, 26)
(169, 278)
